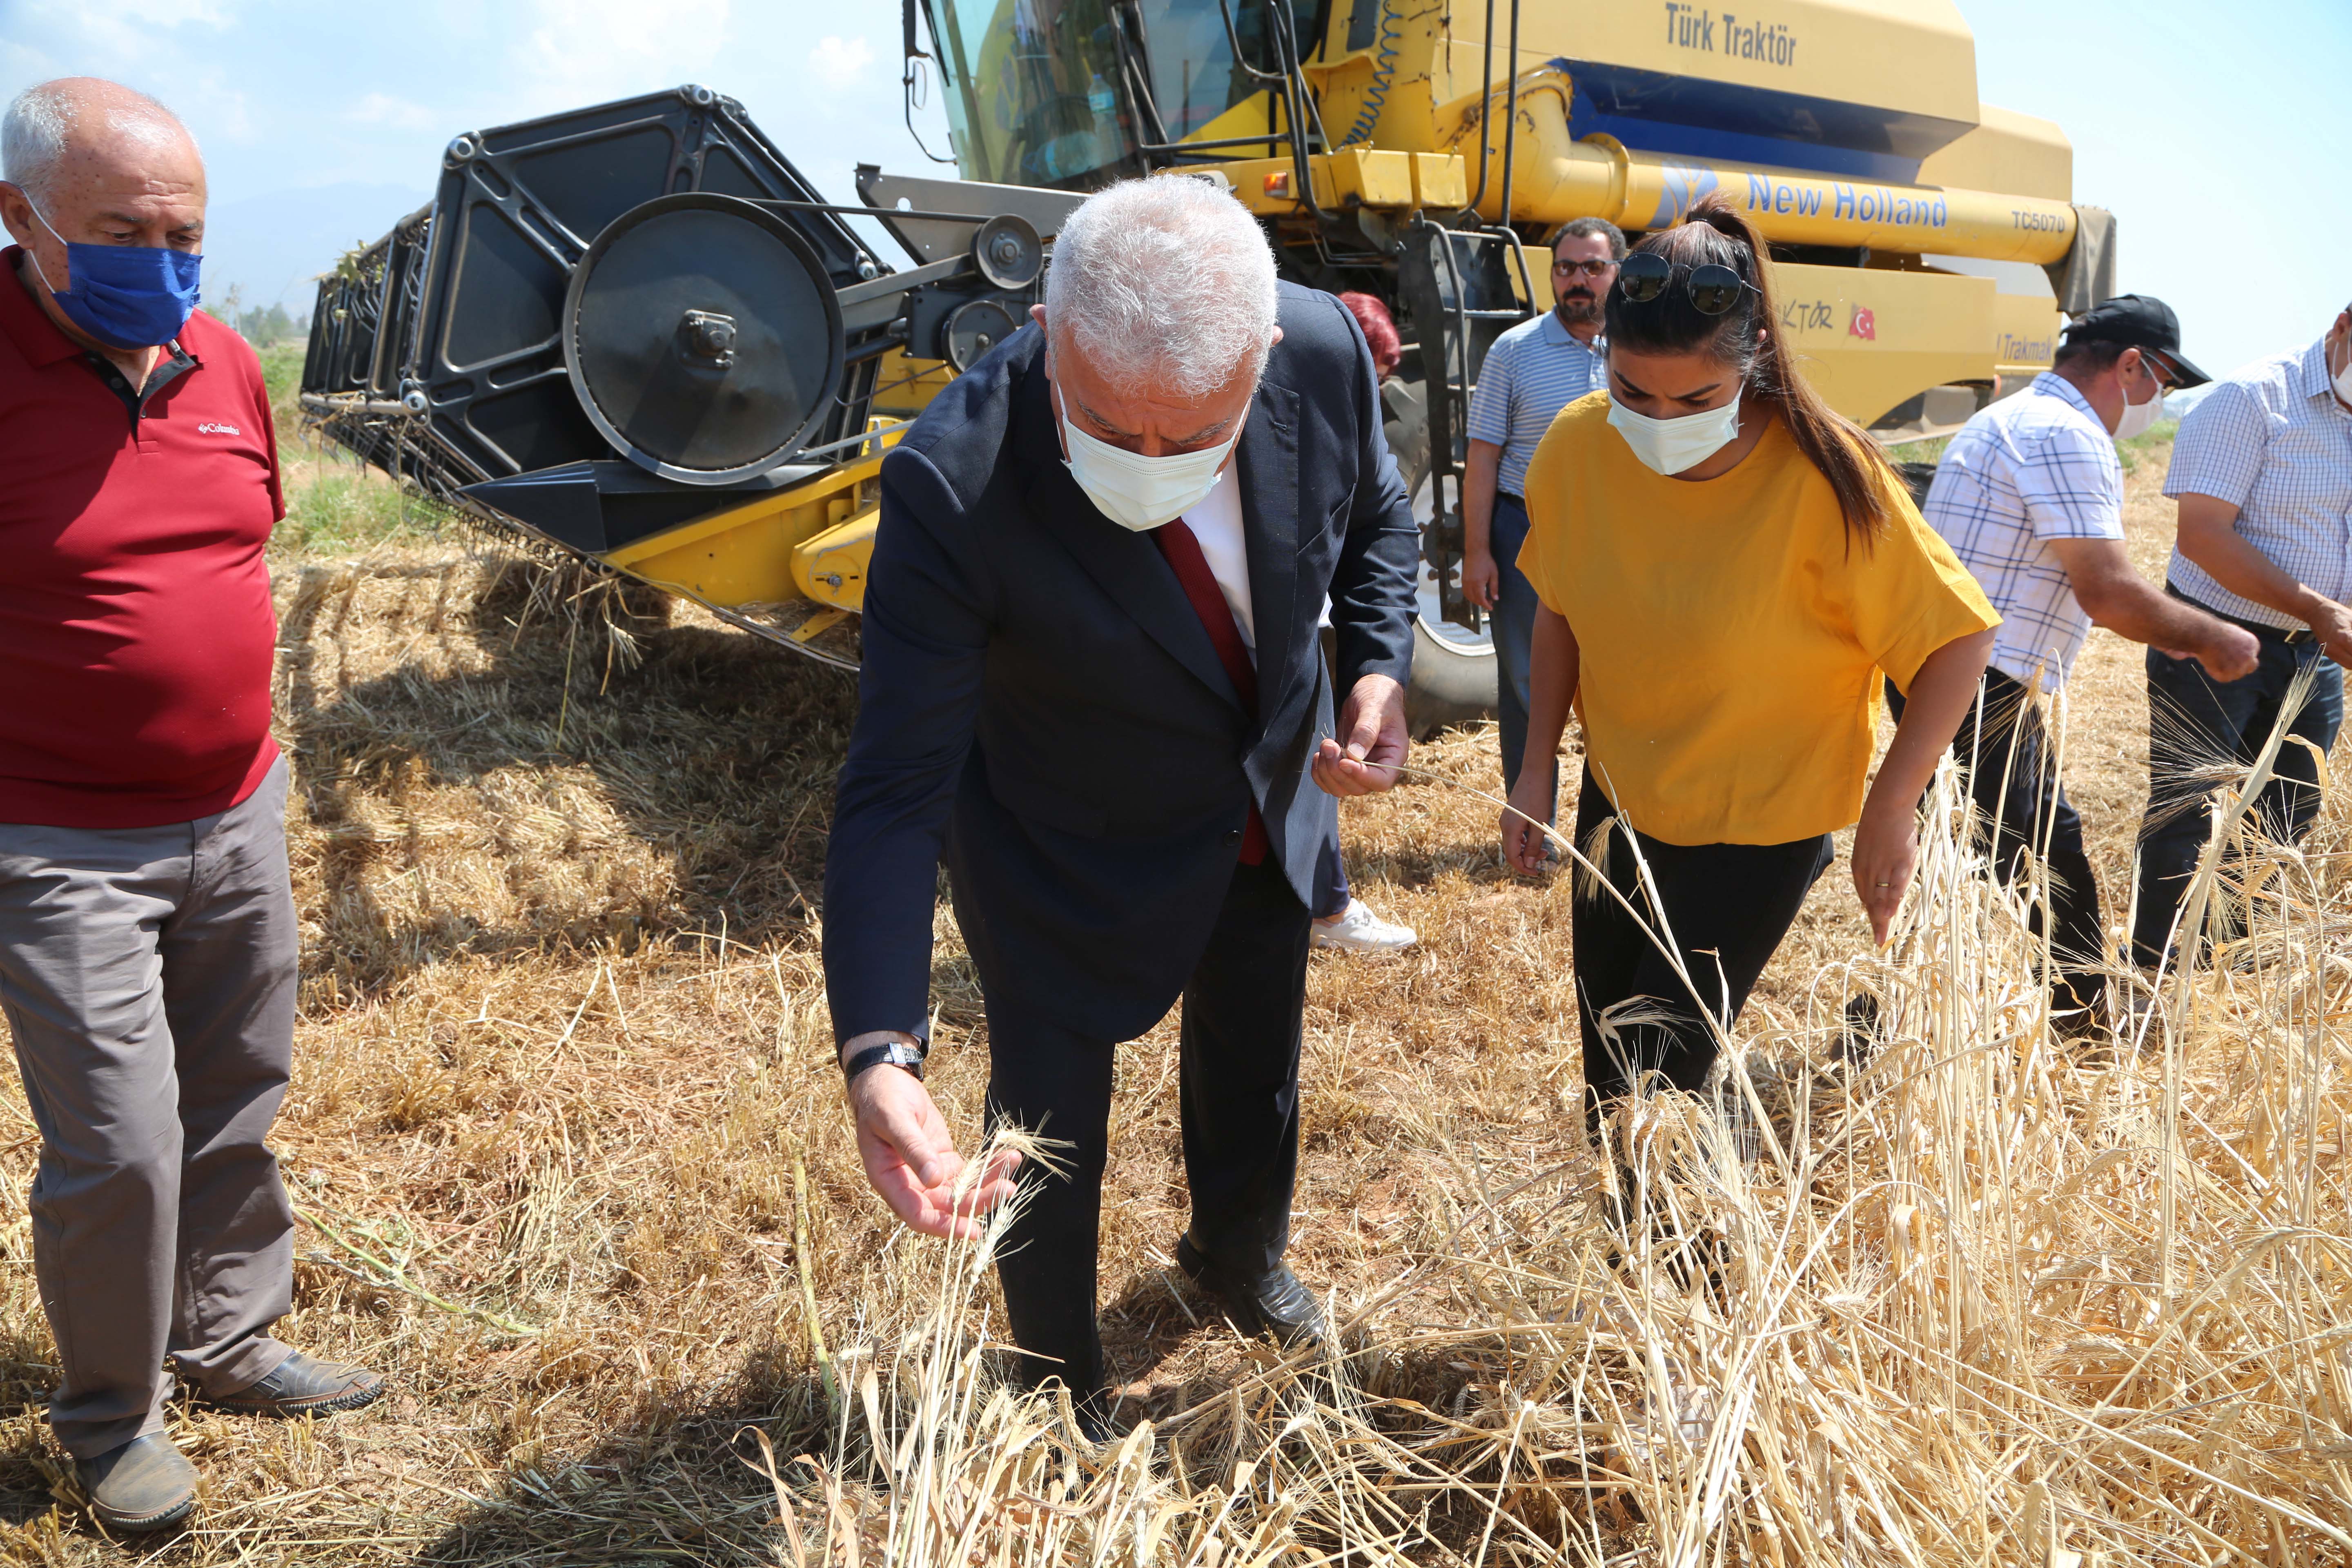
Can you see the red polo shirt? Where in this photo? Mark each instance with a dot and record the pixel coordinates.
(135, 623)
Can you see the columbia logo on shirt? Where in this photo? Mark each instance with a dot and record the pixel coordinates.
(216, 428)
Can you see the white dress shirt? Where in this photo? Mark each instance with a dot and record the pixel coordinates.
(1216, 523)
(2271, 441)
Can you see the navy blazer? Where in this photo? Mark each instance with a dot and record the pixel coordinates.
(1039, 700)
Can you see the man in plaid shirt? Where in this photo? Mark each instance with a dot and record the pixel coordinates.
(2263, 470)
(2029, 495)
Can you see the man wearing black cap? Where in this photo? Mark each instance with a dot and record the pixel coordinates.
(2029, 495)
(2263, 470)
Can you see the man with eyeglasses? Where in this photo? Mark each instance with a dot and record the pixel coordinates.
(1533, 372)
(2030, 497)
(2263, 470)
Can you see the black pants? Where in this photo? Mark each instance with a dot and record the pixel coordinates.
(1331, 894)
(2195, 722)
(2005, 761)
(1728, 906)
(1237, 1097)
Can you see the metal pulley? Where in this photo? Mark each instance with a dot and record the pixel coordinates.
(703, 337)
(975, 328)
(1008, 251)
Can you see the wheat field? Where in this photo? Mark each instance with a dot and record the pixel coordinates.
(575, 1172)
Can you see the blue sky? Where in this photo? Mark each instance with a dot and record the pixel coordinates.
(2214, 133)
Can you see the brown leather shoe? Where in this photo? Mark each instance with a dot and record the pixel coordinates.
(144, 1485)
(305, 1385)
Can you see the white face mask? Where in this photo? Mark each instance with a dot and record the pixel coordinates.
(2139, 419)
(2344, 382)
(1140, 492)
(1671, 446)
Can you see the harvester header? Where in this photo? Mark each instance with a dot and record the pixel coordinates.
(614, 325)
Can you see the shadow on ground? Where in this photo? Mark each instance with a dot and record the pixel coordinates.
(670, 1484)
(450, 718)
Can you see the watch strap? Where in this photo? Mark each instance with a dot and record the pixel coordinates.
(889, 1053)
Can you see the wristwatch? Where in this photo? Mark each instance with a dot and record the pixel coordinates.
(891, 1053)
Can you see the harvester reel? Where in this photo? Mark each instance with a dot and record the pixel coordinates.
(703, 337)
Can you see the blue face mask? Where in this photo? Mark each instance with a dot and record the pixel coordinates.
(125, 296)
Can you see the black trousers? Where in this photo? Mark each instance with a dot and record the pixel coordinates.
(1237, 1098)
(1728, 906)
(2196, 721)
(2004, 758)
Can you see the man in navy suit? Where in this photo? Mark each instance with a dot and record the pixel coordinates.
(1094, 682)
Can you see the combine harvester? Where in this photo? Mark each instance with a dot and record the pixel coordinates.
(637, 332)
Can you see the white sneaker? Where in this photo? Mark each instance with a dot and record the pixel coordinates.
(1359, 930)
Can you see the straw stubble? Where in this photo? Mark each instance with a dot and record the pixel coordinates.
(567, 1128)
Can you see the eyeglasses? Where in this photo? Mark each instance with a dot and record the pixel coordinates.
(1712, 289)
(1590, 268)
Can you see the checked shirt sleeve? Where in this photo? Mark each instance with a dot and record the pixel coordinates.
(2071, 484)
(2220, 449)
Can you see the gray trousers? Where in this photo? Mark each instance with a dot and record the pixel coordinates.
(148, 977)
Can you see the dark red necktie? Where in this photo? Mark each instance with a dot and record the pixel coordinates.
(1183, 552)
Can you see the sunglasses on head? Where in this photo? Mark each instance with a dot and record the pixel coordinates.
(1712, 289)
(1590, 268)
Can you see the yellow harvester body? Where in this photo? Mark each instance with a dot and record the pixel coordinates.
(1923, 240)
(1903, 316)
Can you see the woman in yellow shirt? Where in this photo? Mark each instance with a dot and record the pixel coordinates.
(1722, 565)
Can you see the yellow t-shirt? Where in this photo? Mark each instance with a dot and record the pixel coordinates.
(1731, 641)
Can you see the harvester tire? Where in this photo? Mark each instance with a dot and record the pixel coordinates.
(1453, 680)
(1451, 684)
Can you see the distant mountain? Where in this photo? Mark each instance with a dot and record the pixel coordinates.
(2177, 403)
(273, 247)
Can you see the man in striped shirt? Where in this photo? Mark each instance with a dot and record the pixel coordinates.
(2263, 470)
(1533, 372)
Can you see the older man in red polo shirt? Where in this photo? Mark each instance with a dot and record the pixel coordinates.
(147, 927)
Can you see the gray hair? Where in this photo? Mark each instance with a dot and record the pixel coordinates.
(1166, 281)
(42, 120)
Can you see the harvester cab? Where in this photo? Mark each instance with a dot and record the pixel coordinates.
(637, 331)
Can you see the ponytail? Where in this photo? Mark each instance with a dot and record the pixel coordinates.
(1716, 232)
